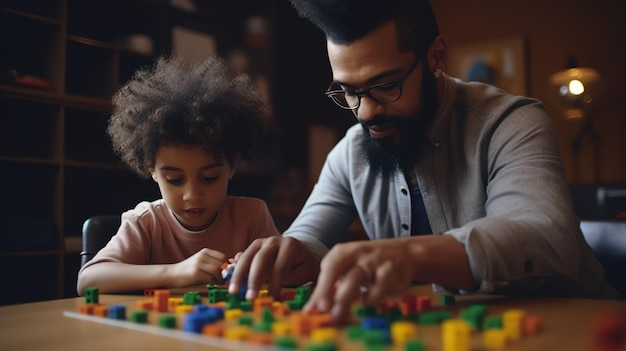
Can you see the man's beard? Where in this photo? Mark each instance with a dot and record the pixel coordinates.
(395, 153)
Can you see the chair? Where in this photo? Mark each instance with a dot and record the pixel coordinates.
(97, 231)
(607, 238)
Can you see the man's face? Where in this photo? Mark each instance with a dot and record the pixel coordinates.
(395, 132)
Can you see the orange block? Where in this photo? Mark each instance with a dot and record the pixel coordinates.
(214, 329)
(161, 300)
(320, 320)
(531, 325)
(260, 338)
(145, 305)
(261, 302)
(423, 303)
(87, 308)
(101, 310)
(408, 305)
(300, 324)
(280, 309)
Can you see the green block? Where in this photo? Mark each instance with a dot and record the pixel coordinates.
(303, 294)
(322, 346)
(366, 311)
(139, 316)
(266, 315)
(218, 295)
(354, 332)
(245, 306)
(394, 315)
(167, 321)
(91, 294)
(262, 327)
(287, 342)
(245, 320)
(493, 322)
(192, 298)
(232, 302)
(414, 345)
(447, 300)
(294, 305)
(473, 317)
(373, 337)
(433, 317)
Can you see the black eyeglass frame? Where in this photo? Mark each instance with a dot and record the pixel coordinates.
(360, 92)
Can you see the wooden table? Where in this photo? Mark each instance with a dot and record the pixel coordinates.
(566, 325)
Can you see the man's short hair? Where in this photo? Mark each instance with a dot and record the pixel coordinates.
(344, 21)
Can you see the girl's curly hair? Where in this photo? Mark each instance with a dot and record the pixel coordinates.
(176, 104)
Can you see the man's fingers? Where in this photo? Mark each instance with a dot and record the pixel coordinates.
(383, 281)
(262, 264)
(337, 266)
(243, 266)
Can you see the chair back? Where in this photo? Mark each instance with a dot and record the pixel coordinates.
(97, 231)
(607, 238)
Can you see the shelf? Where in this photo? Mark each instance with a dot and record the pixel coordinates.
(90, 70)
(50, 10)
(36, 143)
(22, 54)
(57, 162)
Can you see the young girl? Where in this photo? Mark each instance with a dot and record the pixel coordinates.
(187, 128)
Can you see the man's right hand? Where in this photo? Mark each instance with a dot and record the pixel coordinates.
(277, 261)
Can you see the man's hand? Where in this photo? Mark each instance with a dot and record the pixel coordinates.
(370, 270)
(276, 261)
(375, 270)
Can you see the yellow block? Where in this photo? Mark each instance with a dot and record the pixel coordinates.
(494, 339)
(232, 314)
(239, 332)
(512, 323)
(174, 301)
(280, 329)
(324, 334)
(402, 331)
(456, 335)
(183, 309)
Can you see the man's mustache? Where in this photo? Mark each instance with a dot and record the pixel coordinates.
(382, 120)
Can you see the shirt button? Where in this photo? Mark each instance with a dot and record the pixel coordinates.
(405, 227)
(404, 191)
(436, 144)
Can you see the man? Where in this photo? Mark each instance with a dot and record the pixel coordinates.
(477, 168)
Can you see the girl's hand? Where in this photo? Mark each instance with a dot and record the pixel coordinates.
(201, 268)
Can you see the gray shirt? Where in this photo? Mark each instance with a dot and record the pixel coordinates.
(492, 178)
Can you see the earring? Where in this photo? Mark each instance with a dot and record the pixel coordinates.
(437, 73)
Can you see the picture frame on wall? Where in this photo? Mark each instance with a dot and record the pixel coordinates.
(500, 62)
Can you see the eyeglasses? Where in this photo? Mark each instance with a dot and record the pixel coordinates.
(382, 93)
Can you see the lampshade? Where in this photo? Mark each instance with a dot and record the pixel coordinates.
(577, 87)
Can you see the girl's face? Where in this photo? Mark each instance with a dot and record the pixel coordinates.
(193, 183)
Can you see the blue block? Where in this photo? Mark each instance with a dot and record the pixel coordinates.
(375, 323)
(117, 312)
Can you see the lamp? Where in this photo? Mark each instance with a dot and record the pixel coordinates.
(576, 85)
